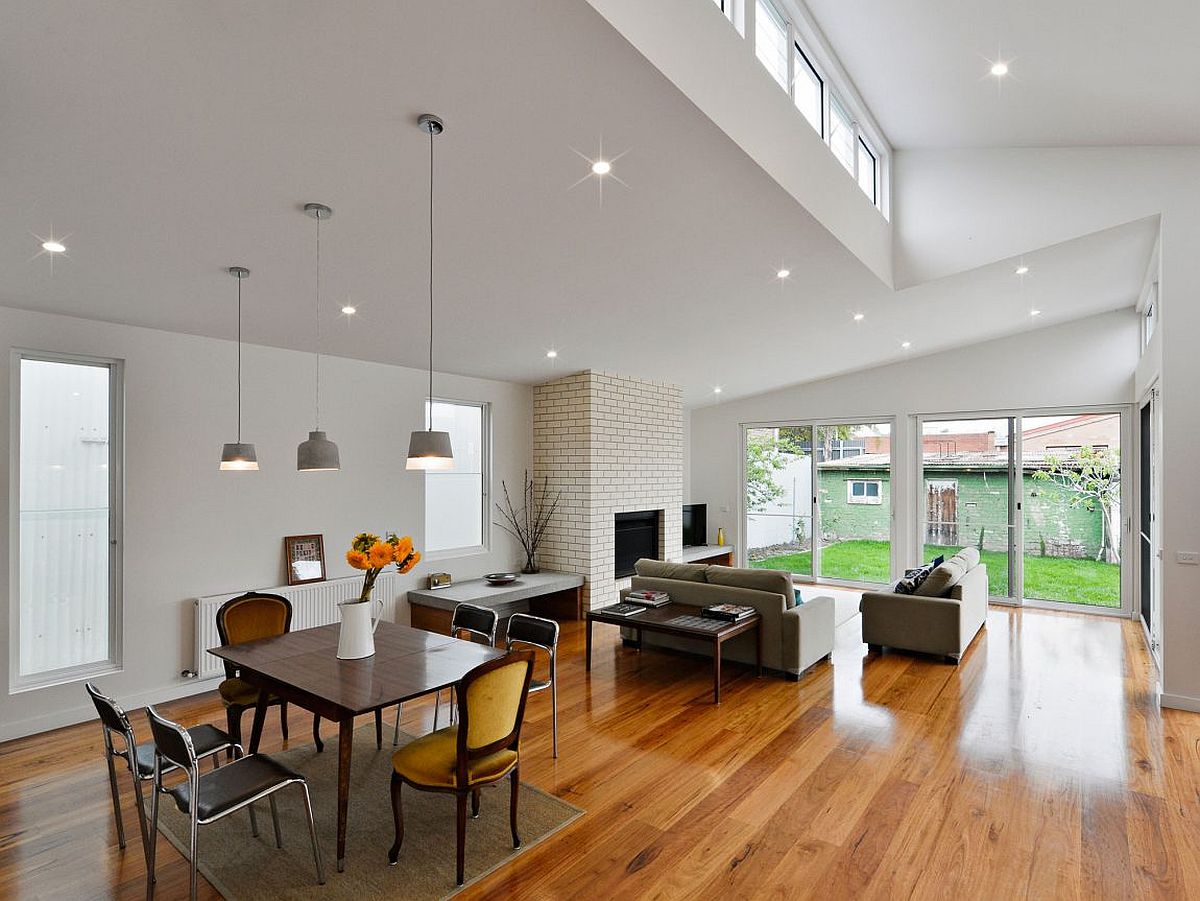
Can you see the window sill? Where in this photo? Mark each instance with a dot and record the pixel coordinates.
(20, 685)
(456, 553)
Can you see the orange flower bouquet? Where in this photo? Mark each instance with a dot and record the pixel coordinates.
(373, 555)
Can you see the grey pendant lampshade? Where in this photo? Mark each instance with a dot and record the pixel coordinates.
(238, 455)
(318, 453)
(430, 449)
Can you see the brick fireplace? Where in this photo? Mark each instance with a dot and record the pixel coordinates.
(613, 445)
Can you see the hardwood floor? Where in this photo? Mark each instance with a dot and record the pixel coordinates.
(1041, 767)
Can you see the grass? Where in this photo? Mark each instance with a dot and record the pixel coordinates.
(1086, 582)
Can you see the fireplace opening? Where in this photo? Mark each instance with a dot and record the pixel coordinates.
(636, 537)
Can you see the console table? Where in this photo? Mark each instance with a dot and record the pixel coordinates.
(550, 594)
(721, 554)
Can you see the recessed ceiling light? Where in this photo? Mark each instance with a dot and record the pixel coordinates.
(783, 273)
(551, 354)
(1021, 270)
(859, 317)
(54, 247)
(717, 390)
(349, 310)
(1035, 312)
(906, 344)
(601, 167)
(1000, 68)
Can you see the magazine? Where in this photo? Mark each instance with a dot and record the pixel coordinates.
(731, 612)
(648, 598)
(622, 610)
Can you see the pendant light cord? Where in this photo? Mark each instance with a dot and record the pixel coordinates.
(239, 374)
(318, 318)
(430, 408)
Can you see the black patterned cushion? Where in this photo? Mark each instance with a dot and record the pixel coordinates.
(912, 579)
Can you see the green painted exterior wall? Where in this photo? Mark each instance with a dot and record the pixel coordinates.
(982, 504)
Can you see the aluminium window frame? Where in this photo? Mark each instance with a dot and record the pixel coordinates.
(18, 683)
(486, 461)
(797, 47)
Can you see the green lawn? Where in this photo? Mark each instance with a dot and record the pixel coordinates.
(1052, 578)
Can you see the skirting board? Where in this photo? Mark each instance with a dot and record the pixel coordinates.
(1179, 702)
(56, 719)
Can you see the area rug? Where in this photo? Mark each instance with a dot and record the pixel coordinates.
(845, 600)
(244, 868)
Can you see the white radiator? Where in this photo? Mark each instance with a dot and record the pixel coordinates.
(313, 605)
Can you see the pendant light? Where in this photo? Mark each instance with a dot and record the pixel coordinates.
(429, 449)
(318, 453)
(239, 456)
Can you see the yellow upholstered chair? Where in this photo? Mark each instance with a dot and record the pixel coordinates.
(249, 617)
(483, 747)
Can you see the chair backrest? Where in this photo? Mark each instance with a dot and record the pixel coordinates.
(538, 631)
(112, 717)
(251, 616)
(172, 742)
(491, 706)
(478, 622)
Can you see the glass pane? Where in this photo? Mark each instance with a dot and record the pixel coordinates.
(854, 471)
(454, 497)
(966, 493)
(770, 41)
(806, 89)
(841, 135)
(64, 514)
(779, 499)
(866, 170)
(1071, 478)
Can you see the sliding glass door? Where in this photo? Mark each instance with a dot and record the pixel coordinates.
(818, 500)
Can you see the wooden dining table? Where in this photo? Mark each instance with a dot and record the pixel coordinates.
(302, 668)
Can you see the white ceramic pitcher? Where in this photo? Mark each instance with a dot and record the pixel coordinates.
(356, 639)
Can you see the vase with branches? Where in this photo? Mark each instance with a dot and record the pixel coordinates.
(528, 522)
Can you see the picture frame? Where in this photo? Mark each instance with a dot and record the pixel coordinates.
(305, 557)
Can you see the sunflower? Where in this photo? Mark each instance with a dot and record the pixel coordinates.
(364, 541)
(380, 555)
(404, 547)
(357, 559)
(412, 560)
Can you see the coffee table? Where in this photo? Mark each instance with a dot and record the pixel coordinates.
(683, 621)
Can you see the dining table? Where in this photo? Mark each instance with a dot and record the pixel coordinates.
(303, 668)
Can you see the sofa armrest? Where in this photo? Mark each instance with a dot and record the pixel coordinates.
(806, 633)
(913, 622)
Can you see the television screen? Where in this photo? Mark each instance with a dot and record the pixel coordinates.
(695, 525)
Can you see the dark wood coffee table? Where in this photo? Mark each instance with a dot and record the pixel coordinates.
(666, 621)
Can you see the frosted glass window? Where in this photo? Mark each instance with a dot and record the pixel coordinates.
(867, 171)
(841, 135)
(770, 41)
(456, 498)
(807, 89)
(67, 620)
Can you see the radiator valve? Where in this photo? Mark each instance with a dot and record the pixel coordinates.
(189, 674)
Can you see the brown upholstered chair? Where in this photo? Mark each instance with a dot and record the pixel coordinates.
(248, 617)
(482, 748)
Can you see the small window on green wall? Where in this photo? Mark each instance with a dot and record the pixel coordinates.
(864, 491)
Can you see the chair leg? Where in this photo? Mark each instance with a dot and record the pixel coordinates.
(116, 798)
(192, 844)
(515, 778)
(141, 810)
(462, 833)
(475, 804)
(312, 834)
(233, 725)
(317, 734)
(378, 728)
(437, 706)
(283, 719)
(275, 821)
(398, 818)
(153, 838)
(554, 702)
(253, 820)
(396, 731)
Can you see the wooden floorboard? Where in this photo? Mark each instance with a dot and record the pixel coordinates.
(1041, 767)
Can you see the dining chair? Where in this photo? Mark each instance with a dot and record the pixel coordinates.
(483, 748)
(477, 624)
(139, 759)
(538, 632)
(248, 617)
(214, 795)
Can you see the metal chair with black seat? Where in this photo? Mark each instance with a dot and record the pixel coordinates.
(476, 624)
(538, 632)
(212, 796)
(249, 617)
(208, 741)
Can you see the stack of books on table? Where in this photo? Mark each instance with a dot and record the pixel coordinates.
(732, 613)
(645, 597)
(622, 610)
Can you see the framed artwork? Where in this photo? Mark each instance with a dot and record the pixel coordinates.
(305, 558)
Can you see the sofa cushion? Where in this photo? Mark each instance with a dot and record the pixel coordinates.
(913, 579)
(942, 579)
(969, 557)
(772, 580)
(664, 569)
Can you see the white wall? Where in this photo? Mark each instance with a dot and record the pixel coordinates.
(191, 530)
(1089, 361)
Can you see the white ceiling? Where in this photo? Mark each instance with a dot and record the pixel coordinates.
(168, 140)
(1101, 72)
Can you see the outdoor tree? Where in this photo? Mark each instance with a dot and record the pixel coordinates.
(1091, 480)
(764, 458)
